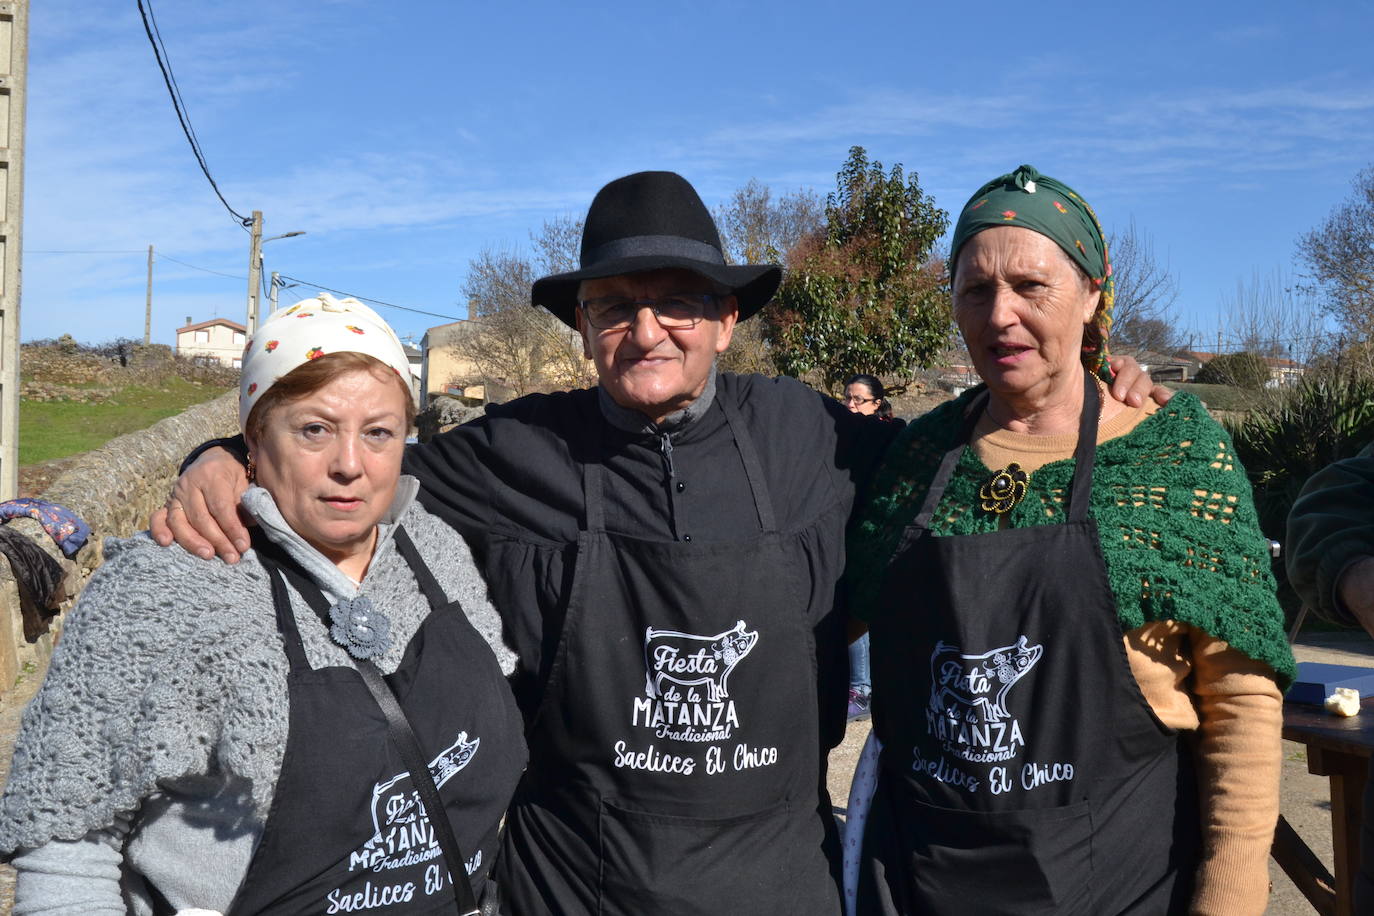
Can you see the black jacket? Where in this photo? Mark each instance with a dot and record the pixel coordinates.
(511, 483)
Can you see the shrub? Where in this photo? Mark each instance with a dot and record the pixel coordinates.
(1244, 370)
(1327, 416)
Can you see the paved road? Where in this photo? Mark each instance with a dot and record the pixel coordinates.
(1306, 799)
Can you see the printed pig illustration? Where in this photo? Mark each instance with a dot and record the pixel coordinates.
(959, 683)
(397, 801)
(673, 657)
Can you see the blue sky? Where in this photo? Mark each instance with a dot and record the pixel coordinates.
(404, 137)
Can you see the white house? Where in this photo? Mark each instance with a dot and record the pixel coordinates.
(219, 340)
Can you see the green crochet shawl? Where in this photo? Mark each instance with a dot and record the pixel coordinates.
(1173, 507)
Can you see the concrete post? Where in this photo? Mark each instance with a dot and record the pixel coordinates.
(254, 272)
(14, 58)
(148, 306)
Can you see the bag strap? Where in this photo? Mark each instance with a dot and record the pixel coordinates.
(403, 737)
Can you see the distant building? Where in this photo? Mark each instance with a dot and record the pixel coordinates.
(416, 357)
(218, 340)
(1283, 372)
(444, 370)
(1165, 368)
(493, 358)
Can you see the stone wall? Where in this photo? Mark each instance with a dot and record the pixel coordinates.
(114, 488)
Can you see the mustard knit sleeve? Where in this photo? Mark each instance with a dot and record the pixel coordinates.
(1239, 751)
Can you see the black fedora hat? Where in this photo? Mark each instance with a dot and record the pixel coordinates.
(648, 221)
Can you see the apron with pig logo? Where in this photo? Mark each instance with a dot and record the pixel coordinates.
(346, 831)
(675, 761)
(1022, 771)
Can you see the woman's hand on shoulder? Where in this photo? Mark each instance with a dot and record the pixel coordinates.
(202, 514)
(1132, 384)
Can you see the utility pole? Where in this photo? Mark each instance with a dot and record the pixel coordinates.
(14, 90)
(272, 290)
(254, 272)
(148, 306)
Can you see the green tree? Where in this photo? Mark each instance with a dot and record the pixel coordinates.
(868, 295)
(1243, 370)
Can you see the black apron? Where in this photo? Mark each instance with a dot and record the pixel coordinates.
(675, 758)
(346, 831)
(1022, 771)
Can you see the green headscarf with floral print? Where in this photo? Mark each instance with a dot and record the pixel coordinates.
(1027, 199)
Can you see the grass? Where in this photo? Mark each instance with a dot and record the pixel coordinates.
(57, 429)
(1220, 397)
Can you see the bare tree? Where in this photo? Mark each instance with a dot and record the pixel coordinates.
(558, 246)
(758, 228)
(1271, 316)
(1143, 315)
(522, 349)
(1338, 260)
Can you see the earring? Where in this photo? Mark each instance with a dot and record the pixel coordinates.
(252, 470)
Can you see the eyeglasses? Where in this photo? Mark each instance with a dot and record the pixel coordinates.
(674, 312)
(851, 399)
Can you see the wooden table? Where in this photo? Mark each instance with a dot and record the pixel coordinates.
(1339, 749)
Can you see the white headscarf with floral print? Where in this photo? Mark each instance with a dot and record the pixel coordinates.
(308, 330)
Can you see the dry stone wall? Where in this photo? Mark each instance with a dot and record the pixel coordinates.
(114, 488)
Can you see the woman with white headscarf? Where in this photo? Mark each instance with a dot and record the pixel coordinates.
(234, 738)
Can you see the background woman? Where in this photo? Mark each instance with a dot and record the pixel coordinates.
(203, 739)
(1077, 653)
(864, 394)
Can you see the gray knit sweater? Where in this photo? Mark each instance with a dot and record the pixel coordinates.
(151, 752)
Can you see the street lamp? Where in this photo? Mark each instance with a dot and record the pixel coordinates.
(255, 267)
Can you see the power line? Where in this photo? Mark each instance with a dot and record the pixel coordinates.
(165, 65)
(166, 257)
(84, 250)
(390, 305)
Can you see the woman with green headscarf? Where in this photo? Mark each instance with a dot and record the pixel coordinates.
(1077, 654)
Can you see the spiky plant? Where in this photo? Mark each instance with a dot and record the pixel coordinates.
(1327, 416)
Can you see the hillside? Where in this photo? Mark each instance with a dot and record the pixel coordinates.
(75, 398)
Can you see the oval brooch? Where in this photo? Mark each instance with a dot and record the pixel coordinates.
(361, 629)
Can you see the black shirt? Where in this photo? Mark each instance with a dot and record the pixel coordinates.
(511, 483)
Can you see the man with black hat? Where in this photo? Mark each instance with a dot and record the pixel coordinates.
(665, 550)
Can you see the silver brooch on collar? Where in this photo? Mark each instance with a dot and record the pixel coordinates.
(360, 628)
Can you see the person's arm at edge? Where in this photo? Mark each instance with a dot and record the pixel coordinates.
(1330, 531)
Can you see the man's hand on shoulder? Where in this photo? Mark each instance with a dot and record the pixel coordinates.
(202, 514)
(1132, 384)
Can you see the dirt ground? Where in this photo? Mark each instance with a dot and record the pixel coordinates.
(34, 479)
